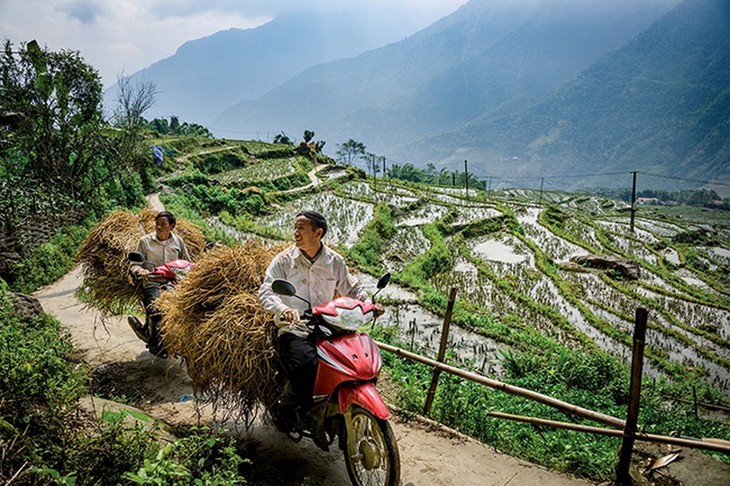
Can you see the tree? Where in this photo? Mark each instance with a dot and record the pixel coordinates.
(350, 151)
(194, 130)
(160, 125)
(133, 100)
(372, 163)
(174, 125)
(283, 139)
(308, 136)
(57, 151)
(53, 150)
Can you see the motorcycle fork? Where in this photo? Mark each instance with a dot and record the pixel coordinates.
(345, 438)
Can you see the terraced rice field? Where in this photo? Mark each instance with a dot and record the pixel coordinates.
(502, 276)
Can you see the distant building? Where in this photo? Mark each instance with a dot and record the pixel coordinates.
(648, 200)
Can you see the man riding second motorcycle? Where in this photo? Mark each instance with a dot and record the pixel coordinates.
(317, 272)
(158, 248)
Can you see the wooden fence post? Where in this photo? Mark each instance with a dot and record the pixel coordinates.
(441, 353)
(637, 364)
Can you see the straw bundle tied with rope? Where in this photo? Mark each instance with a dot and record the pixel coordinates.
(103, 257)
(213, 320)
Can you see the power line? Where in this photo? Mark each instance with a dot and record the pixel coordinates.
(685, 179)
(576, 176)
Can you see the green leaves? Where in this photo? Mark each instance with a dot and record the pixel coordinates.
(199, 459)
(43, 80)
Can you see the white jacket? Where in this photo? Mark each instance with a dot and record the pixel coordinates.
(315, 281)
(159, 252)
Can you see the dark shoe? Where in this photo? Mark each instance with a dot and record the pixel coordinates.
(316, 428)
(138, 328)
(302, 418)
(156, 348)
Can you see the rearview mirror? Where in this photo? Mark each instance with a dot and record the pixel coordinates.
(282, 287)
(136, 257)
(383, 281)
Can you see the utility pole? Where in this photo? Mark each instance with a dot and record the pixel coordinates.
(466, 179)
(633, 203)
(489, 186)
(383, 167)
(542, 181)
(374, 166)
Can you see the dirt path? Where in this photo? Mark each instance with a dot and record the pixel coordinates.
(164, 389)
(312, 174)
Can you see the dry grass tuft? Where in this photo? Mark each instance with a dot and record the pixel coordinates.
(212, 319)
(103, 257)
(214, 322)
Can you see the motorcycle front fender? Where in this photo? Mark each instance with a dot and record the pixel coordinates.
(364, 395)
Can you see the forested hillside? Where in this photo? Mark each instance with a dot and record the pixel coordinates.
(661, 104)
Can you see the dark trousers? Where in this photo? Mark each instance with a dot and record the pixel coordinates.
(299, 358)
(149, 296)
(154, 316)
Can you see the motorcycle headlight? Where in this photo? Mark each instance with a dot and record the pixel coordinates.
(349, 319)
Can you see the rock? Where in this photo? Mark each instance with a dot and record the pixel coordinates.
(700, 264)
(7, 258)
(628, 268)
(26, 306)
(571, 267)
(698, 237)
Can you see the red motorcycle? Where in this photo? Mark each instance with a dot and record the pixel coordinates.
(346, 404)
(166, 276)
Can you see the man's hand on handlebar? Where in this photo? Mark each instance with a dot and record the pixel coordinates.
(379, 309)
(290, 315)
(141, 272)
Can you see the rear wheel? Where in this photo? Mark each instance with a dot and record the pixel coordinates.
(371, 454)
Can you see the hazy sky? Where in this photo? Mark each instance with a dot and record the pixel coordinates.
(118, 36)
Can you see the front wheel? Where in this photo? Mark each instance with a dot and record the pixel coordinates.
(372, 451)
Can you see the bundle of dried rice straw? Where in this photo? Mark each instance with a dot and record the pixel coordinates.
(213, 320)
(103, 257)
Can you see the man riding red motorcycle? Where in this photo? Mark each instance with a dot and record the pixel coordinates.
(150, 265)
(331, 378)
(317, 272)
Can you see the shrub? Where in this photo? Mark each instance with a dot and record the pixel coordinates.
(38, 386)
(48, 262)
(200, 458)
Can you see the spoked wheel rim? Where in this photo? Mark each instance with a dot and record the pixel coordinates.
(372, 453)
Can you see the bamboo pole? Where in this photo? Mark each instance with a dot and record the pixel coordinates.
(441, 353)
(514, 390)
(632, 415)
(661, 439)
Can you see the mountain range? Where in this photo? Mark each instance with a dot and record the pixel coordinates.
(659, 105)
(207, 75)
(536, 87)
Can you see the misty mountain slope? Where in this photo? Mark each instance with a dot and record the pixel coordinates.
(661, 104)
(556, 41)
(489, 55)
(207, 75)
(322, 95)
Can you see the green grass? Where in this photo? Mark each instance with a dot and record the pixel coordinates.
(591, 380)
